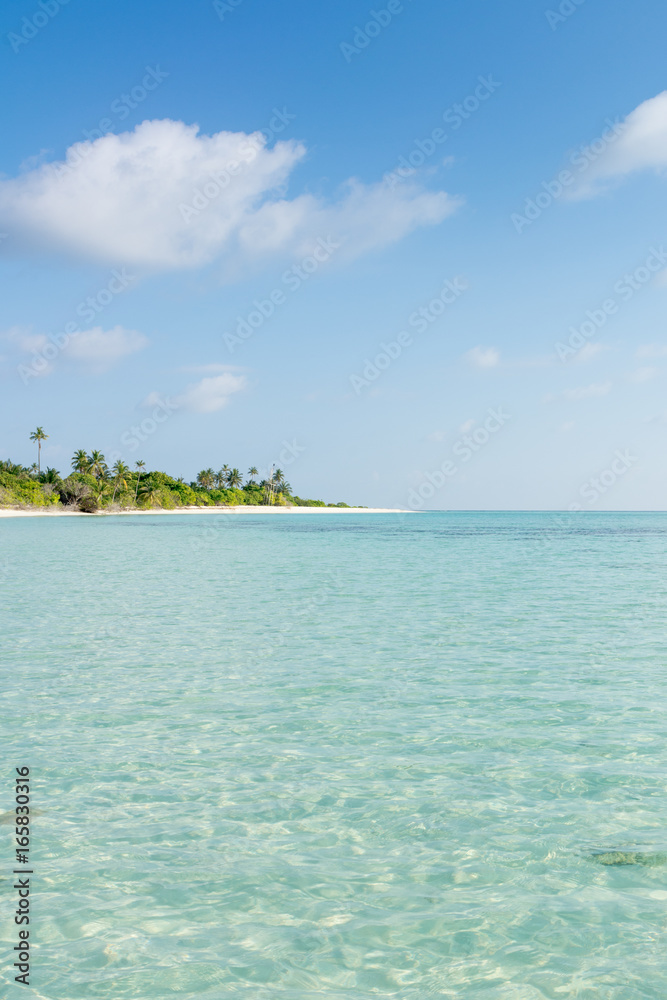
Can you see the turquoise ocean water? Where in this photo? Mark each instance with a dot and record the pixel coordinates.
(338, 755)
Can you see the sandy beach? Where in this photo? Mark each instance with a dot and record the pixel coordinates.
(240, 509)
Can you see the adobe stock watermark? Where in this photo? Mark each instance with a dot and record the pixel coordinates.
(602, 482)
(138, 434)
(31, 26)
(553, 189)
(564, 10)
(419, 320)
(224, 7)
(626, 288)
(220, 179)
(455, 115)
(363, 36)
(289, 453)
(87, 310)
(464, 449)
(292, 279)
(120, 109)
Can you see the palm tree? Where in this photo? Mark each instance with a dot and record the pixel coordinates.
(80, 461)
(50, 476)
(206, 479)
(278, 481)
(224, 473)
(38, 435)
(220, 479)
(101, 489)
(96, 465)
(140, 465)
(120, 471)
(234, 479)
(150, 494)
(13, 469)
(252, 472)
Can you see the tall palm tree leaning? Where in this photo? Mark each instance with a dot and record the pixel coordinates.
(80, 461)
(39, 436)
(252, 472)
(140, 465)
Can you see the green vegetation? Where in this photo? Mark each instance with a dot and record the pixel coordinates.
(91, 486)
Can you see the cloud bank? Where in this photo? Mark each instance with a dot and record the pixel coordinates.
(101, 349)
(95, 350)
(164, 197)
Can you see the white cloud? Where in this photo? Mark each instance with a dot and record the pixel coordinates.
(483, 357)
(152, 399)
(467, 426)
(642, 145)
(581, 392)
(163, 196)
(22, 338)
(365, 218)
(100, 349)
(211, 394)
(23, 343)
(96, 350)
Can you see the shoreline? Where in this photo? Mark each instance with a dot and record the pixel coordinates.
(240, 508)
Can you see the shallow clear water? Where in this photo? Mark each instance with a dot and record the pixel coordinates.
(338, 755)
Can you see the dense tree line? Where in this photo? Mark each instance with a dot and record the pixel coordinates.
(91, 486)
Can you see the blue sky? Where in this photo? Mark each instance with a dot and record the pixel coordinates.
(537, 135)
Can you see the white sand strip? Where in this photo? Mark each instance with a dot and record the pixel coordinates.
(240, 509)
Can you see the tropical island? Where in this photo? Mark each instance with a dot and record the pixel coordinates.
(92, 487)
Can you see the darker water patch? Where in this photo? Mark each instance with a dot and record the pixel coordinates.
(647, 859)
